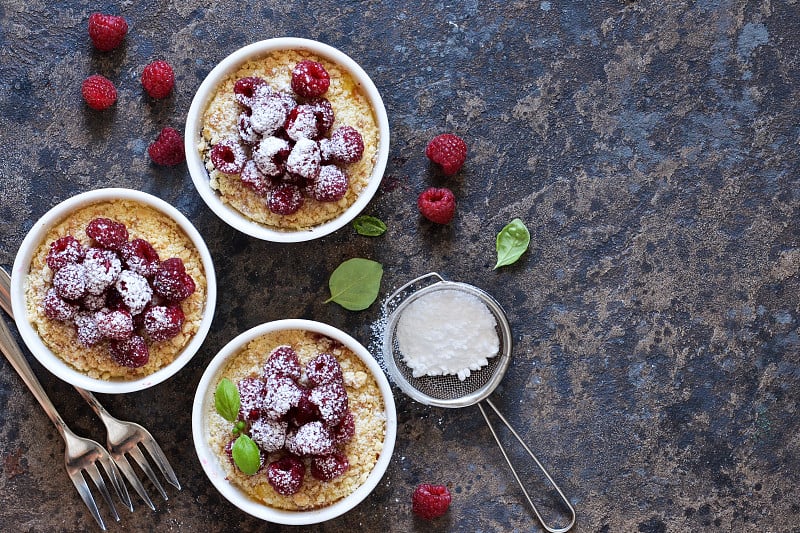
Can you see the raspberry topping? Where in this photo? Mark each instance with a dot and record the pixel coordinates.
(228, 156)
(324, 368)
(86, 329)
(65, 250)
(244, 90)
(246, 131)
(310, 79)
(328, 467)
(117, 325)
(140, 257)
(281, 393)
(158, 79)
(270, 435)
(107, 233)
(102, 269)
(163, 322)
(132, 352)
(106, 31)
(98, 92)
(302, 123)
(448, 151)
(70, 281)
(310, 439)
(330, 185)
(430, 501)
(269, 114)
(437, 204)
(331, 399)
(286, 475)
(304, 159)
(254, 179)
(172, 282)
(323, 110)
(285, 199)
(344, 147)
(95, 302)
(56, 308)
(270, 157)
(251, 397)
(134, 290)
(345, 430)
(283, 361)
(305, 411)
(168, 148)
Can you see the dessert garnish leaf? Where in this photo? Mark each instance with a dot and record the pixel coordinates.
(355, 283)
(512, 241)
(369, 226)
(226, 400)
(246, 455)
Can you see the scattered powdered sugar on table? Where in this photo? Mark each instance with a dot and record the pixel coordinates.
(447, 332)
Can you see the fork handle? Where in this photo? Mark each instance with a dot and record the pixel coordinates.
(14, 355)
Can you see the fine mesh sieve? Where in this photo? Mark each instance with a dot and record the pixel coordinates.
(448, 390)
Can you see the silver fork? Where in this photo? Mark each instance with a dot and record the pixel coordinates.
(123, 438)
(81, 455)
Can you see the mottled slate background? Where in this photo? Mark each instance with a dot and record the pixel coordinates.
(653, 152)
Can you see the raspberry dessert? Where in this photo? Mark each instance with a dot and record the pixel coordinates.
(289, 140)
(116, 290)
(315, 413)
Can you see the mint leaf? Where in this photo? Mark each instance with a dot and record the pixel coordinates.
(246, 455)
(355, 283)
(226, 400)
(369, 226)
(512, 241)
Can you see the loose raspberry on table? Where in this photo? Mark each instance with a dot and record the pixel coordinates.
(344, 147)
(131, 352)
(228, 156)
(324, 368)
(251, 397)
(430, 501)
(117, 325)
(286, 475)
(172, 282)
(437, 204)
(98, 92)
(56, 308)
(64, 250)
(328, 467)
(140, 257)
(448, 151)
(107, 233)
(285, 199)
(283, 361)
(330, 185)
(158, 79)
(106, 31)
(168, 148)
(163, 322)
(70, 281)
(310, 79)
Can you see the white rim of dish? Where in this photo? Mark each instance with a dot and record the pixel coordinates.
(197, 169)
(210, 461)
(21, 267)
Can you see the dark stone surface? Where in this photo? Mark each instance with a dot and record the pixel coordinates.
(653, 152)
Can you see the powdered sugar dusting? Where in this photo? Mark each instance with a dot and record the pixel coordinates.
(135, 290)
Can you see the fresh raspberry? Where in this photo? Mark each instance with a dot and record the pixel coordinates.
(131, 352)
(270, 156)
(245, 90)
(301, 123)
(448, 151)
(56, 308)
(117, 325)
(286, 475)
(323, 110)
(107, 233)
(270, 435)
(437, 204)
(285, 199)
(140, 257)
(331, 399)
(269, 113)
(95, 302)
(430, 501)
(251, 397)
(158, 79)
(86, 329)
(328, 467)
(98, 92)
(228, 156)
(163, 322)
(102, 269)
(247, 133)
(310, 439)
(106, 31)
(344, 431)
(168, 148)
(345, 146)
(324, 368)
(113, 300)
(304, 159)
(172, 282)
(305, 411)
(63, 251)
(281, 393)
(254, 179)
(330, 185)
(283, 361)
(134, 290)
(70, 281)
(310, 79)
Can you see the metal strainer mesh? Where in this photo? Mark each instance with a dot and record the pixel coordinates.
(447, 390)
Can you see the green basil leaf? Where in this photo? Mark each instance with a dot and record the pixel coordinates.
(355, 283)
(226, 400)
(246, 455)
(512, 241)
(369, 226)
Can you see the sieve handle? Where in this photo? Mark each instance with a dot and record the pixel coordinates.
(566, 502)
(398, 292)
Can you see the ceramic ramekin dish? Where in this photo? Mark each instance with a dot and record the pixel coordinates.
(21, 269)
(210, 461)
(194, 126)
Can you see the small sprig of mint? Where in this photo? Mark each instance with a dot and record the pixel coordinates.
(369, 226)
(246, 455)
(226, 400)
(512, 241)
(355, 283)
